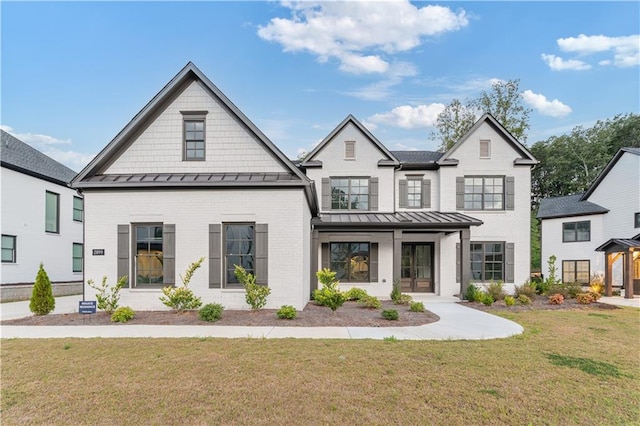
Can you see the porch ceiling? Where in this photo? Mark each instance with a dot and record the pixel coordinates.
(398, 220)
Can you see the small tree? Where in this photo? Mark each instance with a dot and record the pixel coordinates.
(42, 301)
(329, 295)
(256, 295)
(108, 297)
(182, 298)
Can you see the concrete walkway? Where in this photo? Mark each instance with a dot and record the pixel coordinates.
(457, 322)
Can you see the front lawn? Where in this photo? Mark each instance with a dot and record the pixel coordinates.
(569, 367)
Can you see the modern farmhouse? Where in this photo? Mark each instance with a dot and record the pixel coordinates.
(190, 176)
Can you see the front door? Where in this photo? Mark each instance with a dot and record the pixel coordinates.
(417, 270)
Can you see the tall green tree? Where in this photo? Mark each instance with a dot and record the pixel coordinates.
(42, 301)
(453, 122)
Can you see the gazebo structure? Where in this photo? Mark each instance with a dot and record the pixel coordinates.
(628, 251)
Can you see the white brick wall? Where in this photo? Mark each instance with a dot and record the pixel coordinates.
(229, 147)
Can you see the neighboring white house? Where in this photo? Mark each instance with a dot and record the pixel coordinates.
(606, 218)
(190, 176)
(42, 217)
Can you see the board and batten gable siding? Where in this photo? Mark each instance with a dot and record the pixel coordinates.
(619, 192)
(365, 164)
(229, 148)
(23, 216)
(509, 226)
(284, 211)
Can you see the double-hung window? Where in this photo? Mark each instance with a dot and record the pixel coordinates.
(194, 135)
(239, 249)
(487, 261)
(414, 193)
(576, 231)
(78, 209)
(77, 257)
(350, 261)
(8, 249)
(576, 271)
(484, 193)
(349, 193)
(52, 212)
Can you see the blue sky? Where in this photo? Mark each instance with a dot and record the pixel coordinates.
(75, 73)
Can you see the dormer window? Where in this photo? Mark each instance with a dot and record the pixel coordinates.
(194, 135)
(350, 150)
(485, 148)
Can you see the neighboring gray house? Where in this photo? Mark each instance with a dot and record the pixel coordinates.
(42, 220)
(605, 218)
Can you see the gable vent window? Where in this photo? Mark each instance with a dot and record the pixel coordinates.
(485, 149)
(194, 135)
(350, 150)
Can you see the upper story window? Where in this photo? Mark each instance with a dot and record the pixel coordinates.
(576, 231)
(349, 193)
(636, 220)
(484, 193)
(350, 150)
(194, 135)
(414, 193)
(485, 148)
(52, 212)
(78, 209)
(8, 249)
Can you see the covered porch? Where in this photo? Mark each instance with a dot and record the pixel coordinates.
(626, 251)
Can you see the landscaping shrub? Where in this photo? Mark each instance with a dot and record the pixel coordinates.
(528, 289)
(256, 295)
(370, 302)
(558, 288)
(556, 299)
(416, 307)
(182, 298)
(403, 299)
(286, 312)
(595, 294)
(573, 289)
(395, 291)
(523, 299)
(355, 293)
(123, 314)
(108, 297)
(486, 299)
(473, 293)
(509, 301)
(390, 314)
(329, 295)
(596, 284)
(585, 298)
(496, 290)
(42, 301)
(544, 286)
(211, 312)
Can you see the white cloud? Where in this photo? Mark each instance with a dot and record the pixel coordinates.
(553, 108)
(556, 63)
(359, 33)
(409, 117)
(49, 146)
(625, 49)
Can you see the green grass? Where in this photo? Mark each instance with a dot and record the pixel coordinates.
(559, 371)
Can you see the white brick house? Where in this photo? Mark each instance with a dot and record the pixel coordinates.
(578, 228)
(42, 220)
(191, 176)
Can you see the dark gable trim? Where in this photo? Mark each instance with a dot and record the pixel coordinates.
(559, 216)
(34, 174)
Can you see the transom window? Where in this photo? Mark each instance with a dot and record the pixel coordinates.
(350, 193)
(77, 257)
(414, 193)
(487, 261)
(576, 271)
(78, 209)
(149, 255)
(350, 261)
(194, 139)
(8, 249)
(576, 231)
(239, 249)
(484, 193)
(52, 212)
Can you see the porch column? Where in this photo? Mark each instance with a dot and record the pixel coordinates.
(628, 274)
(314, 259)
(465, 261)
(397, 254)
(608, 280)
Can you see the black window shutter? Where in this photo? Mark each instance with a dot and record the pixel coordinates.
(123, 252)
(426, 193)
(325, 256)
(215, 255)
(262, 252)
(457, 262)
(373, 263)
(509, 267)
(169, 254)
(402, 194)
(460, 193)
(326, 194)
(374, 194)
(511, 193)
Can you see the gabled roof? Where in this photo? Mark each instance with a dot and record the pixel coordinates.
(159, 102)
(568, 205)
(20, 157)
(390, 159)
(607, 169)
(619, 244)
(526, 158)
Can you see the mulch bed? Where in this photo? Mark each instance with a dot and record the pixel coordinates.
(349, 315)
(539, 303)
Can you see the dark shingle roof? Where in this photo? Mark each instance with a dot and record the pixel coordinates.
(417, 156)
(569, 205)
(21, 157)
